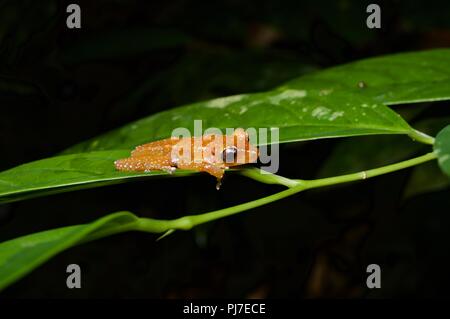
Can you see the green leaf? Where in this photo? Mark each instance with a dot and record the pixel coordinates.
(328, 94)
(65, 173)
(21, 255)
(299, 114)
(424, 179)
(309, 111)
(392, 79)
(365, 152)
(442, 149)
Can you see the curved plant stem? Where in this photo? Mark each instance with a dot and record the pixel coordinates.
(126, 221)
(166, 227)
(295, 186)
(51, 242)
(421, 137)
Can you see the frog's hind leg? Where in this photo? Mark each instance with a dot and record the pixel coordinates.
(158, 148)
(144, 164)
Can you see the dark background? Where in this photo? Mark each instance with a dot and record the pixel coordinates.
(134, 58)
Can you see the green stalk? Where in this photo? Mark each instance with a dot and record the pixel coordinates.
(421, 137)
(125, 221)
(295, 186)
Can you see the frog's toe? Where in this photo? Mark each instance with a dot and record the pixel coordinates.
(218, 184)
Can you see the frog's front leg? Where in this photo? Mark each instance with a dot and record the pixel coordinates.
(217, 170)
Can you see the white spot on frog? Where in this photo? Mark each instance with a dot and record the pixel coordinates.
(305, 109)
(288, 94)
(222, 102)
(364, 105)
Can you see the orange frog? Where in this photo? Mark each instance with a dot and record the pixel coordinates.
(209, 153)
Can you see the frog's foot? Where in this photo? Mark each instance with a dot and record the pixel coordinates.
(220, 177)
(218, 184)
(215, 170)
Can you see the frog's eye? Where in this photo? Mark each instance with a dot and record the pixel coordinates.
(229, 155)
